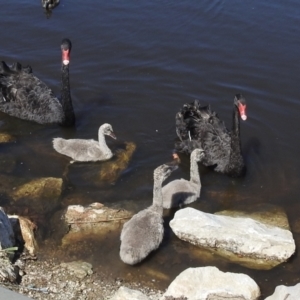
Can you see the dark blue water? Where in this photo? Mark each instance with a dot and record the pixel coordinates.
(134, 64)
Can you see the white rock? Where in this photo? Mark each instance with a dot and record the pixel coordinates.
(125, 293)
(7, 237)
(241, 236)
(283, 292)
(205, 283)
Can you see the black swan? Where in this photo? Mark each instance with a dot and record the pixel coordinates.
(199, 127)
(181, 191)
(144, 232)
(24, 96)
(86, 150)
(49, 4)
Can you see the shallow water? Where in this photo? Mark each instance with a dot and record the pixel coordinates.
(133, 65)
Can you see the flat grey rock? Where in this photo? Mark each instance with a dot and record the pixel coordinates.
(240, 236)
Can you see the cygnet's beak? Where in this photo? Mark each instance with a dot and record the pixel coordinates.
(176, 158)
(112, 135)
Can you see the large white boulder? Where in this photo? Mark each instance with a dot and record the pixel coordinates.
(240, 236)
(283, 292)
(205, 283)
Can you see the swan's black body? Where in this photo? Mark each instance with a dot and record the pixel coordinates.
(24, 96)
(50, 4)
(199, 127)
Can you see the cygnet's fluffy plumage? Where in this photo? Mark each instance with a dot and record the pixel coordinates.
(180, 191)
(86, 150)
(144, 232)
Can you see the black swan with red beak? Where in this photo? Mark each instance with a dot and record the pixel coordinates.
(25, 96)
(199, 127)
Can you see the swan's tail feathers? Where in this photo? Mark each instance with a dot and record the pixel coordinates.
(191, 117)
(58, 144)
(15, 68)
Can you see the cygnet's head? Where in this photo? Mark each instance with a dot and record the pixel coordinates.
(164, 171)
(198, 154)
(107, 130)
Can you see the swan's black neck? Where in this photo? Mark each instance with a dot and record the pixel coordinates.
(236, 166)
(66, 100)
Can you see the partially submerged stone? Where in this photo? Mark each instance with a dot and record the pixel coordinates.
(94, 219)
(124, 293)
(244, 239)
(268, 214)
(283, 292)
(209, 283)
(43, 193)
(6, 138)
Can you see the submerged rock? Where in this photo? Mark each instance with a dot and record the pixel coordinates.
(111, 170)
(241, 238)
(209, 283)
(283, 292)
(43, 194)
(94, 219)
(6, 138)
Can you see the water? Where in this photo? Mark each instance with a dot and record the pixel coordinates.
(133, 64)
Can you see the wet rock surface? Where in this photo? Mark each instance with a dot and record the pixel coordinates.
(94, 219)
(263, 245)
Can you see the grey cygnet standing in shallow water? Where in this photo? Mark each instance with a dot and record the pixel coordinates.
(199, 127)
(86, 150)
(180, 191)
(24, 96)
(144, 232)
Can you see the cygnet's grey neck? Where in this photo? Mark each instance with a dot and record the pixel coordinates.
(157, 195)
(194, 170)
(102, 143)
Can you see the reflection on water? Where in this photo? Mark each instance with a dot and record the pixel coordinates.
(133, 65)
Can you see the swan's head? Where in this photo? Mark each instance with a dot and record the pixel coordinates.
(240, 103)
(197, 154)
(164, 171)
(66, 47)
(107, 130)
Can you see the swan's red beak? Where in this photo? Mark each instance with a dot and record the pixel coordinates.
(242, 109)
(65, 56)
